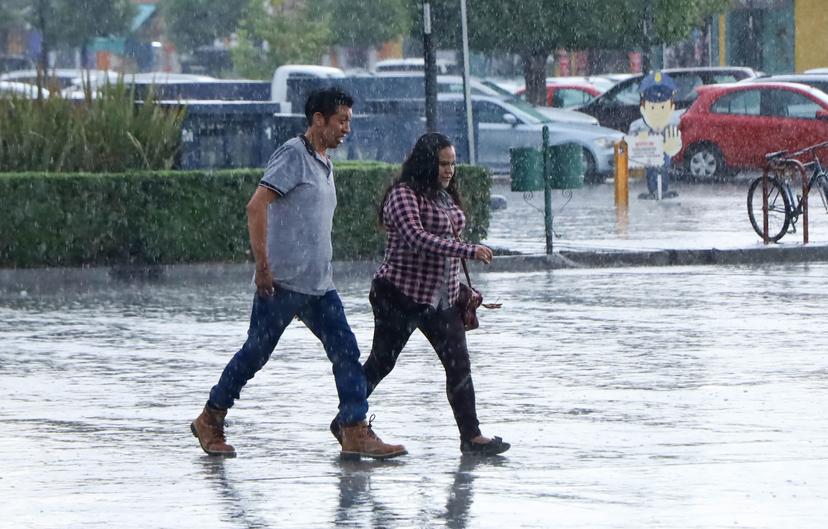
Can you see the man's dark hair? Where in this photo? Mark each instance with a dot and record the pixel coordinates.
(326, 101)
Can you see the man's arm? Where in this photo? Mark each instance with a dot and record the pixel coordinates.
(257, 230)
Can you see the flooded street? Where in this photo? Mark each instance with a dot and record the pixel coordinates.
(641, 397)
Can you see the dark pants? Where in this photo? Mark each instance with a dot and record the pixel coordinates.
(395, 318)
(325, 318)
(652, 177)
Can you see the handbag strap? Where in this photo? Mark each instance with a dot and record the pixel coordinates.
(465, 266)
(457, 236)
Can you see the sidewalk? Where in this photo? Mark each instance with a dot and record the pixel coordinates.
(706, 224)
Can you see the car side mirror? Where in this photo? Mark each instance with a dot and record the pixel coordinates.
(822, 114)
(511, 119)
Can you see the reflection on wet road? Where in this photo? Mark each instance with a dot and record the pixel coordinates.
(661, 397)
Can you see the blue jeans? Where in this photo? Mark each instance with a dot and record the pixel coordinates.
(325, 317)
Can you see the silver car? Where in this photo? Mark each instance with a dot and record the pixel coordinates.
(505, 125)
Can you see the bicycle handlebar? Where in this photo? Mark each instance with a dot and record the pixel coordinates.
(775, 155)
(778, 155)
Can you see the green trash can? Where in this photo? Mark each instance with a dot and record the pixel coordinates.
(526, 169)
(566, 166)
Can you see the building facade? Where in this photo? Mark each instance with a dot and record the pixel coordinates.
(775, 36)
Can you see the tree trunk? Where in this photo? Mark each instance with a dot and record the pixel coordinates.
(534, 73)
(43, 60)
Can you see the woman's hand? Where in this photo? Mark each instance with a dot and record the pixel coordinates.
(482, 253)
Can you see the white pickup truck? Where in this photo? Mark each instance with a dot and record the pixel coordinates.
(279, 85)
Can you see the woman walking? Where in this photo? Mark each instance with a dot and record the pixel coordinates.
(417, 284)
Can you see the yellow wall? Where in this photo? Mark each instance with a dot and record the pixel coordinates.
(811, 45)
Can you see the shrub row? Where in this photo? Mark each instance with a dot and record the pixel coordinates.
(145, 218)
(107, 133)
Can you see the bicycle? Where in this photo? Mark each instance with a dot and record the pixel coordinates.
(784, 205)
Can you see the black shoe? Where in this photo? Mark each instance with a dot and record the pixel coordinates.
(647, 196)
(669, 194)
(336, 430)
(492, 448)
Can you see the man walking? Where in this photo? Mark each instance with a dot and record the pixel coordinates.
(289, 220)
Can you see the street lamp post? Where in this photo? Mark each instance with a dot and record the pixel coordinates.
(466, 82)
(430, 66)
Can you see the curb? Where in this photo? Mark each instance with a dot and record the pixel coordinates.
(619, 259)
(58, 278)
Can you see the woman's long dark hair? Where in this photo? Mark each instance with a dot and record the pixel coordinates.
(420, 170)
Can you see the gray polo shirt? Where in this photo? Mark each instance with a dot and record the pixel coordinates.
(300, 220)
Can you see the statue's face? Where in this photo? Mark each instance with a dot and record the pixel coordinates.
(657, 114)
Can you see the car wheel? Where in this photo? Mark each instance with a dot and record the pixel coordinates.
(705, 162)
(591, 176)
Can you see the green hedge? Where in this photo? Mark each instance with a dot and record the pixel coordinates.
(83, 219)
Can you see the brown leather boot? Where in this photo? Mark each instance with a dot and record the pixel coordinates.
(209, 429)
(360, 440)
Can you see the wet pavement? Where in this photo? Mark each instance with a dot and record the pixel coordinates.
(703, 216)
(671, 397)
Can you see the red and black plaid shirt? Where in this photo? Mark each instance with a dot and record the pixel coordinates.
(420, 243)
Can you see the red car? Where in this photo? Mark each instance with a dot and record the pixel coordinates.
(567, 95)
(735, 125)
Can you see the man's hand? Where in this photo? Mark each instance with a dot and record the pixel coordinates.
(672, 141)
(482, 253)
(265, 286)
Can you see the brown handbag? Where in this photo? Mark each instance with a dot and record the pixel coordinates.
(469, 298)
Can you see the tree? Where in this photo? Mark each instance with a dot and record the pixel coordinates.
(653, 23)
(11, 13)
(272, 34)
(532, 29)
(364, 23)
(74, 22)
(194, 23)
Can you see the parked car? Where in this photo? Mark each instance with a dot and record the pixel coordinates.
(733, 126)
(77, 90)
(504, 125)
(453, 84)
(506, 87)
(567, 95)
(24, 90)
(817, 70)
(614, 78)
(279, 84)
(619, 106)
(600, 82)
(414, 64)
(59, 78)
(819, 81)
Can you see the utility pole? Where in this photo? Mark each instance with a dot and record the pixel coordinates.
(647, 27)
(430, 66)
(466, 82)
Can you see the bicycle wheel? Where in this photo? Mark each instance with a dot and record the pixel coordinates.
(779, 208)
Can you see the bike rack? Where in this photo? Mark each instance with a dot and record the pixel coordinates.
(779, 165)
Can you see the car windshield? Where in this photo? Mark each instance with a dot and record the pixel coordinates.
(531, 113)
